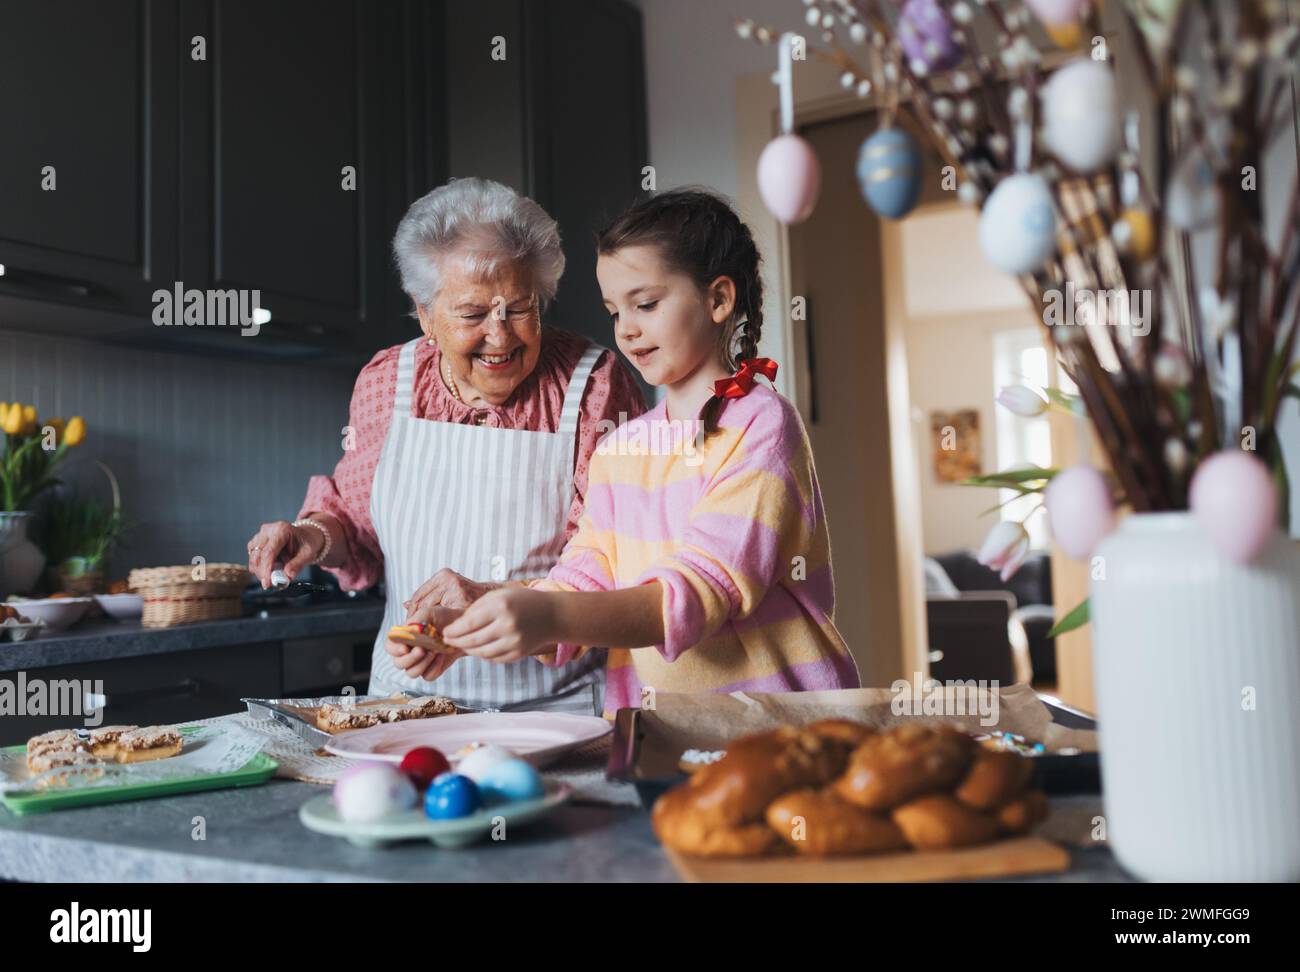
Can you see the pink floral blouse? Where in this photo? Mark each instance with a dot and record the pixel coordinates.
(612, 394)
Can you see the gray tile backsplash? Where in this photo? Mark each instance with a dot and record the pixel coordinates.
(205, 448)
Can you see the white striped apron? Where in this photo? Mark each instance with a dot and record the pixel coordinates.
(491, 504)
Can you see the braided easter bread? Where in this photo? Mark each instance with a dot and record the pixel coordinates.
(840, 787)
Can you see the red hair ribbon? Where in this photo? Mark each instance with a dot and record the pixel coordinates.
(739, 384)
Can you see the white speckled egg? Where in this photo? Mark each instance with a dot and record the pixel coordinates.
(372, 791)
(1018, 224)
(1081, 115)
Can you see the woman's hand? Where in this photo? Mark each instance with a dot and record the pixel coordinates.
(448, 589)
(297, 546)
(420, 662)
(504, 625)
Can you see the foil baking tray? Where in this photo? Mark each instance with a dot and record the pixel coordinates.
(299, 715)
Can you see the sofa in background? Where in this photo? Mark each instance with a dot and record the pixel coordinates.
(982, 628)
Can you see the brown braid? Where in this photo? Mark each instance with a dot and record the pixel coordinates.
(699, 234)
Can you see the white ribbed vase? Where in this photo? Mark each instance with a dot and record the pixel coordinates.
(1200, 781)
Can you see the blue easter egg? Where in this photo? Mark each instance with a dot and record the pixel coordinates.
(889, 172)
(510, 780)
(450, 796)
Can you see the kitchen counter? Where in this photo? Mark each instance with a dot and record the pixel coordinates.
(253, 834)
(105, 639)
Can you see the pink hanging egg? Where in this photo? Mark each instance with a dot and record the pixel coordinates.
(1235, 501)
(1080, 510)
(1058, 13)
(789, 178)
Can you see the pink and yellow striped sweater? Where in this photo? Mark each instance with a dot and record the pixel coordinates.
(734, 530)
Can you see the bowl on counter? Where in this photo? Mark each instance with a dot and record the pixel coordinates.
(57, 612)
(121, 607)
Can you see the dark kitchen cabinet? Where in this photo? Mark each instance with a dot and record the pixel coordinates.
(560, 118)
(283, 160)
(88, 168)
(213, 144)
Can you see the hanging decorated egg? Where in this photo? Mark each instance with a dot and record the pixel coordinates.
(1235, 501)
(926, 36)
(1057, 13)
(1135, 233)
(1079, 509)
(1065, 36)
(1156, 19)
(789, 178)
(1018, 224)
(1081, 115)
(1192, 200)
(889, 172)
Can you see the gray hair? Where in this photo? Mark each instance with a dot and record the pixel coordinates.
(492, 223)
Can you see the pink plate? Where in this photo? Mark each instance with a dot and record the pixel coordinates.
(539, 737)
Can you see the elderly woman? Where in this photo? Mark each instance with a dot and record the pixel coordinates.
(469, 446)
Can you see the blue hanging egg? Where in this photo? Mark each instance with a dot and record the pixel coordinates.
(889, 172)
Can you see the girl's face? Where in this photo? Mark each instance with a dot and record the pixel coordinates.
(664, 323)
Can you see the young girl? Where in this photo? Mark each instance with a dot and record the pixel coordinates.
(711, 550)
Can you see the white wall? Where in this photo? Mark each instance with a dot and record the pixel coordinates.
(693, 58)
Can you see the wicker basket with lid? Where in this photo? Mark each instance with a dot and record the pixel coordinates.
(172, 595)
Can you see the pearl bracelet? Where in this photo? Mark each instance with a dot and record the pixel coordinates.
(324, 551)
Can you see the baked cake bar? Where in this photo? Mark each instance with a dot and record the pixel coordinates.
(149, 742)
(334, 718)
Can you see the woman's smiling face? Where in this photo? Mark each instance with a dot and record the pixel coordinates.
(488, 329)
(663, 322)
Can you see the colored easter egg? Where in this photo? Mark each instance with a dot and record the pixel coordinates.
(889, 172)
(1064, 36)
(423, 764)
(511, 780)
(371, 791)
(1081, 114)
(1080, 510)
(1234, 498)
(926, 35)
(789, 178)
(1018, 224)
(1135, 233)
(481, 759)
(450, 796)
(1057, 13)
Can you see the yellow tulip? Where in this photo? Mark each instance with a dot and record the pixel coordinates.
(76, 431)
(12, 419)
(29, 419)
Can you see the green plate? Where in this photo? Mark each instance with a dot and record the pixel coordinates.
(257, 770)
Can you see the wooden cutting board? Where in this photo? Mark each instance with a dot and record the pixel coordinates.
(1006, 858)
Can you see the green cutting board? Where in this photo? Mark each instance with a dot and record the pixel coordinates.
(257, 770)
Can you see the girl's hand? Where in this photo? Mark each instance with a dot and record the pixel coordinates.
(505, 625)
(420, 662)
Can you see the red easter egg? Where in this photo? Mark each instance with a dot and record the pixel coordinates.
(422, 764)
